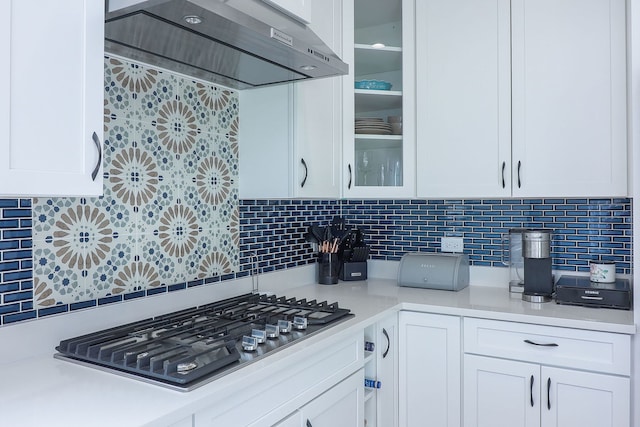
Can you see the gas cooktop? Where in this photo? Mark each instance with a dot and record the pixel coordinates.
(189, 348)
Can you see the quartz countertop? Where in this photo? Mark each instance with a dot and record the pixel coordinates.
(41, 390)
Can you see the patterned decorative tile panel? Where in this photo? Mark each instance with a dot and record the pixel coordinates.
(169, 214)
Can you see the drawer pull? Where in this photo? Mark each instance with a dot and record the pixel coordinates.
(551, 344)
(549, 393)
(531, 390)
(309, 423)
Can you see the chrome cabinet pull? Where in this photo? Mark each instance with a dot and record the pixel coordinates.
(519, 164)
(349, 185)
(306, 172)
(531, 390)
(551, 344)
(549, 393)
(504, 164)
(386, 335)
(96, 141)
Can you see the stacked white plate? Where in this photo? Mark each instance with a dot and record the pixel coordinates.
(372, 125)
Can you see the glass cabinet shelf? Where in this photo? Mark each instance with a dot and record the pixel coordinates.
(378, 141)
(370, 60)
(377, 100)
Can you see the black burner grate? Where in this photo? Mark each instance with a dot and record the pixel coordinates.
(184, 347)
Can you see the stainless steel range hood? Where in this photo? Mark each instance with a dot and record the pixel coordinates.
(236, 43)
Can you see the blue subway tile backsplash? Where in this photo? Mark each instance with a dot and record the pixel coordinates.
(272, 237)
(16, 294)
(584, 229)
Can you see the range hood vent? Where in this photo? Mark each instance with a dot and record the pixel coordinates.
(240, 44)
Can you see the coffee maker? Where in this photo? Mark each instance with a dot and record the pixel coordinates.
(538, 279)
(515, 262)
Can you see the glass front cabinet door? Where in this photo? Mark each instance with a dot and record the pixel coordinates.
(379, 135)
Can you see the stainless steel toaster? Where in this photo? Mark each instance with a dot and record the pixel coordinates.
(434, 271)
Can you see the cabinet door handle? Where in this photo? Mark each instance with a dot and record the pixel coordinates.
(504, 164)
(531, 390)
(549, 393)
(349, 185)
(309, 423)
(386, 335)
(551, 344)
(96, 141)
(519, 164)
(306, 172)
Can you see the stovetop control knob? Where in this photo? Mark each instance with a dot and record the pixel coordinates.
(300, 323)
(249, 343)
(285, 326)
(259, 335)
(273, 331)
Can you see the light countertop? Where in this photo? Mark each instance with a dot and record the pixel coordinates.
(41, 390)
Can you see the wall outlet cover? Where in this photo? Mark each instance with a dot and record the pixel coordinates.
(452, 244)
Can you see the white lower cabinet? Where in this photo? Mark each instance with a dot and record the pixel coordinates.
(381, 365)
(429, 370)
(496, 392)
(530, 392)
(340, 406)
(318, 385)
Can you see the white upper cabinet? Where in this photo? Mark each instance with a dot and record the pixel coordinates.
(464, 98)
(379, 97)
(317, 127)
(51, 112)
(266, 142)
(291, 135)
(298, 9)
(524, 98)
(569, 98)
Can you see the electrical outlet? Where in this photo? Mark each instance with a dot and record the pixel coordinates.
(452, 244)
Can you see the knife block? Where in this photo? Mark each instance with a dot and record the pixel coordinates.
(350, 271)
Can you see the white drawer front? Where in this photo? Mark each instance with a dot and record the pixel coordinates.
(283, 391)
(548, 345)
